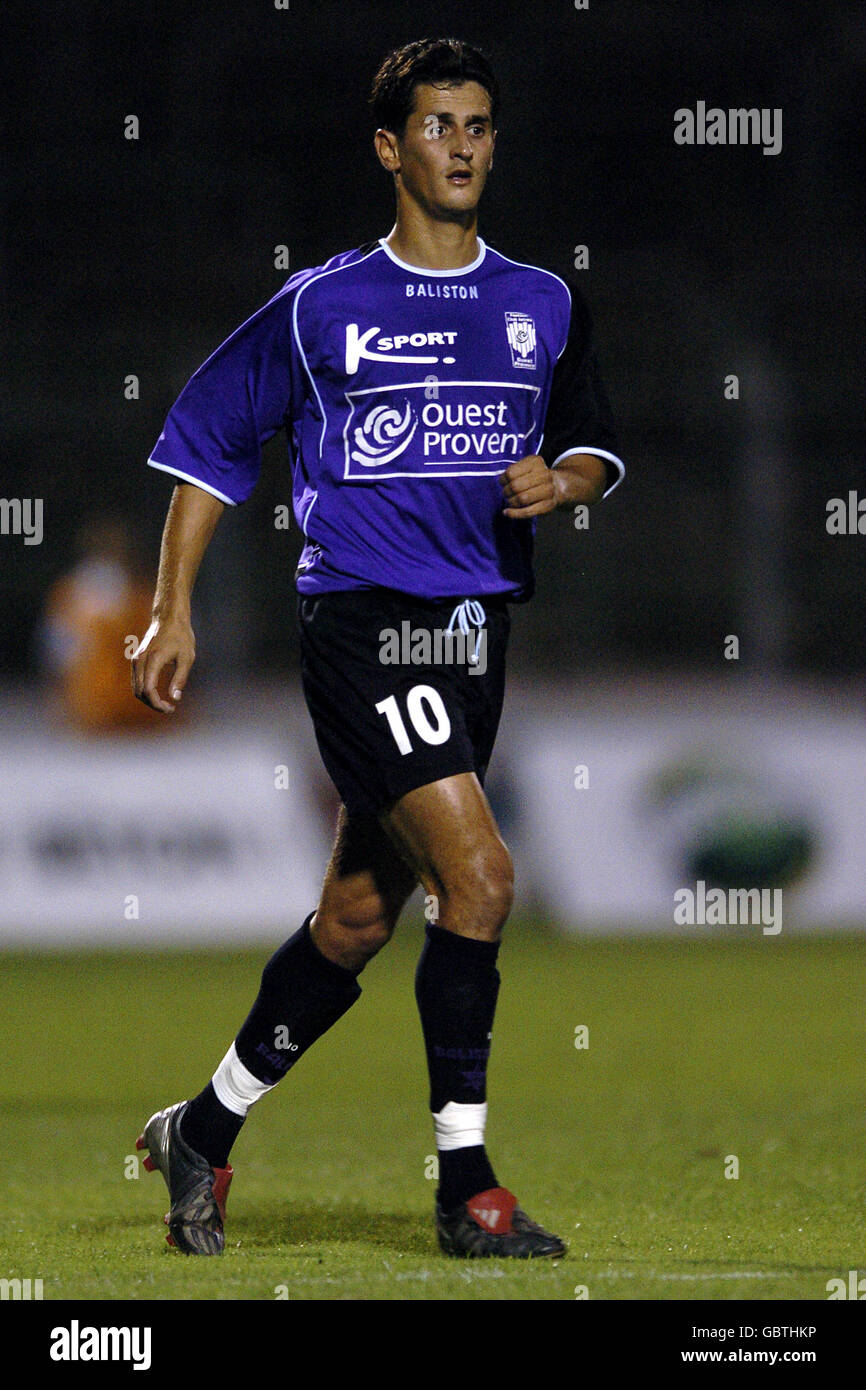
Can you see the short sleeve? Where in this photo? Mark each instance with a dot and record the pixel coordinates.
(233, 404)
(579, 418)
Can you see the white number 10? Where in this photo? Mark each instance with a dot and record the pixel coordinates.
(431, 732)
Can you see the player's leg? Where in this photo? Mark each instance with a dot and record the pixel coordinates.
(306, 986)
(366, 886)
(447, 831)
(411, 741)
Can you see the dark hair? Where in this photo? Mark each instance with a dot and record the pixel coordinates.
(448, 61)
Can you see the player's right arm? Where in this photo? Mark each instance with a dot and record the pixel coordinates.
(168, 646)
(212, 440)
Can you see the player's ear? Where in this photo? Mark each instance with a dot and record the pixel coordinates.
(386, 150)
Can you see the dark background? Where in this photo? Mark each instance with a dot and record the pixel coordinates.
(140, 256)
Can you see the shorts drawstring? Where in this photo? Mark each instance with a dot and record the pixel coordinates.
(468, 615)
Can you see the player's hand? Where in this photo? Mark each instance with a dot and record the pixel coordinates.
(168, 647)
(529, 487)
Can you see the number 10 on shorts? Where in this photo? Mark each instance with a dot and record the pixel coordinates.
(427, 712)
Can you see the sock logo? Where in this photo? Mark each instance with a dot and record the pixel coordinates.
(278, 1060)
(475, 1079)
(474, 1076)
(489, 1216)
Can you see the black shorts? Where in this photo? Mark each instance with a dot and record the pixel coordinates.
(395, 702)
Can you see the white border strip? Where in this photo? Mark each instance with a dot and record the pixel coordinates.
(422, 270)
(188, 478)
(600, 453)
(309, 509)
(314, 280)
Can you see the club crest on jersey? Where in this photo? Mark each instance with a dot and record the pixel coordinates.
(521, 339)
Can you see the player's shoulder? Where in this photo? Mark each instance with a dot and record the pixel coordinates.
(541, 279)
(560, 292)
(281, 308)
(343, 261)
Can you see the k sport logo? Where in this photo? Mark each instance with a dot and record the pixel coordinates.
(519, 328)
(387, 349)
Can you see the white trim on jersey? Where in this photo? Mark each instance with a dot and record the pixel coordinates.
(188, 478)
(314, 280)
(422, 270)
(600, 453)
(307, 514)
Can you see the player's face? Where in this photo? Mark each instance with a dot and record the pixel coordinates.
(446, 150)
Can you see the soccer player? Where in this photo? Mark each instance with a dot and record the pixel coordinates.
(437, 399)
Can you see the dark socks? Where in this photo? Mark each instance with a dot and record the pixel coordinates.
(456, 986)
(302, 994)
(463, 1173)
(210, 1128)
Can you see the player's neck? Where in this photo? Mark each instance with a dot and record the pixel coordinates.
(432, 245)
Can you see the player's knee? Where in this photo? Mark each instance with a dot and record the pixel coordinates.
(480, 893)
(352, 931)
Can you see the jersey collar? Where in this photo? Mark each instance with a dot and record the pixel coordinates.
(428, 274)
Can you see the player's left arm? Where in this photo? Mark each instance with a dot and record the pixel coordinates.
(531, 488)
(578, 462)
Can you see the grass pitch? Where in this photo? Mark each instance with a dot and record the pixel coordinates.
(699, 1052)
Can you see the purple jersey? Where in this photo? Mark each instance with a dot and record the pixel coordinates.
(405, 394)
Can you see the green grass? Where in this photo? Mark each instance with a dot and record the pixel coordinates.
(697, 1050)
